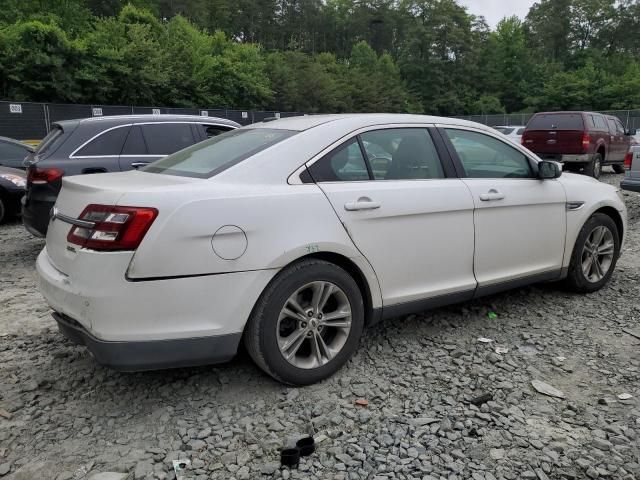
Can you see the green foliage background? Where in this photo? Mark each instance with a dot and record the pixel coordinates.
(427, 56)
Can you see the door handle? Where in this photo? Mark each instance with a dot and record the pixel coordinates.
(491, 195)
(363, 203)
(139, 164)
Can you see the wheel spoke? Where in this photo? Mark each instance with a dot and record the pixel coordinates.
(321, 293)
(588, 246)
(598, 269)
(316, 349)
(323, 346)
(296, 312)
(291, 347)
(598, 235)
(606, 249)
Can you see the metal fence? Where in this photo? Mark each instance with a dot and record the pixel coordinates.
(32, 121)
(629, 118)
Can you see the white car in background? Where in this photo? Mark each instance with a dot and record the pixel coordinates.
(294, 235)
(514, 132)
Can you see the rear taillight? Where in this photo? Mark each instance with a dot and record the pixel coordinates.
(114, 228)
(628, 160)
(40, 176)
(586, 141)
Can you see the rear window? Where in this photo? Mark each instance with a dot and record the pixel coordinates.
(51, 142)
(208, 158)
(556, 121)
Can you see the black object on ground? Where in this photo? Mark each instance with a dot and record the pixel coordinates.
(484, 398)
(306, 446)
(290, 457)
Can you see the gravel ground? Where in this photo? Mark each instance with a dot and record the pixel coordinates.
(64, 417)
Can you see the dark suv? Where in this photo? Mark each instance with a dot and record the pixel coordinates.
(105, 144)
(583, 141)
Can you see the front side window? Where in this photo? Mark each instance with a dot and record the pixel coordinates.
(483, 156)
(167, 138)
(208, 158)
(107, 144)
(134, 145)
(402, 154)
(344, 164)
(621, 130)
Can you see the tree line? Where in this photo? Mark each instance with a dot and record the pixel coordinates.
(430, 56)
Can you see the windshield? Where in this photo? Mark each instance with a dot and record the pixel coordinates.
(208, 158)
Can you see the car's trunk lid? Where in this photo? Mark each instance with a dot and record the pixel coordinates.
(104, 189)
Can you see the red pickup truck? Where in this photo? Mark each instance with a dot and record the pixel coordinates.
(582, 141)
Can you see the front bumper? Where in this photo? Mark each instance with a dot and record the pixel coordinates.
(630, 184)
(154, 354)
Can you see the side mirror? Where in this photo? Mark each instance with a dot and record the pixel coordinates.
(632, 132)
(548, 170)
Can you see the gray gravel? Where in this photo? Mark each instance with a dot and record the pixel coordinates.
(64, 417)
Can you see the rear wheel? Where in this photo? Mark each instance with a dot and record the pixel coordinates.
(594, 167)
(307, 323)
(617, 168)
(595, 254)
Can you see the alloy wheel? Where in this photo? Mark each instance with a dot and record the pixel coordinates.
(314, 325)
(597, 254)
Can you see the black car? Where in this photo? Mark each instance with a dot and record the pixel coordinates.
(13, 153)
(105, 144)
(12, 187)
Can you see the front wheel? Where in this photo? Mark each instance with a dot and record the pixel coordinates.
(595, 255)
(307, 323)
(594, 167)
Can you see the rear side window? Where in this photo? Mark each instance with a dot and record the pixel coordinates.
(134, 145)
(599, 123)
(108, 143)
(167, 138)
(208, 158)
(344, 164)
(556, 121)
(214, 130)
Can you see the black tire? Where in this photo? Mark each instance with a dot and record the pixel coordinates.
(594, 167)
(260, 335)
(3, 211)
(576, 279)
(572, 167)
(618, 168)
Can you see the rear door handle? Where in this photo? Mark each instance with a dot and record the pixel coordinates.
(491, 195)
(363, 203)
(139, 164)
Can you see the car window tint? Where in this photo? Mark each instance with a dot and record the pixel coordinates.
(344, 164)
(108, 143)
(167, 138)
(402, 154)
(12, 151)
(208, 158)
(556, 121)
(214, 130)
(620, 129)
(134, 145)
(483, 156)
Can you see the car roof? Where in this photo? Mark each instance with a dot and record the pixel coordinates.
(359, 120)
(114, 120)
(17, 142)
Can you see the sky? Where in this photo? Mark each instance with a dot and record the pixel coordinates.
(495, 10)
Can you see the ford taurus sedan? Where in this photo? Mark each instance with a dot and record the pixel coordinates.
(292, 236)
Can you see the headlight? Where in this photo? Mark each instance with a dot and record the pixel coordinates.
(15, 179)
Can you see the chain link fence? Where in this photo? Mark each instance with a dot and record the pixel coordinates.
(32, 121)
(629, 118)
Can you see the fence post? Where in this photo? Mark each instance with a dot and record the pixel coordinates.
(45, 110)
(628, 113)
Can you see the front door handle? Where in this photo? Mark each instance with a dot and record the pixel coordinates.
(492, 195)
(363, 203)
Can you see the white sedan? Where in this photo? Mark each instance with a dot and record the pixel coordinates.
(513, 132)
(294, 235)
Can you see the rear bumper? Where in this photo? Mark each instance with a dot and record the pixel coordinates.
(630, 184)
(12, 198)
(583, 158)
(151, 355)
